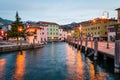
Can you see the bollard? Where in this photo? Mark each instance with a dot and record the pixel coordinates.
(95, 49)
(77, 45)
(117, 56)
(86, 43)
(81, 44)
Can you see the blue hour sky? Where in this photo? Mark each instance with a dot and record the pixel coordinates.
(59, 11)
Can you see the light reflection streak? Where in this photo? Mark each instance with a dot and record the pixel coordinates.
(2, 67)
(95, 72)
(20, 66)
(74, 64)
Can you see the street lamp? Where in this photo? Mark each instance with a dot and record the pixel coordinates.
(80, 28)
(19, 31)
(72, 33)
(107, 19)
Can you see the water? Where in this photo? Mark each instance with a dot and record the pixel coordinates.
(55, 61)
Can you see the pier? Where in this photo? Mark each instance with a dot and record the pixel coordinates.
(100, 48)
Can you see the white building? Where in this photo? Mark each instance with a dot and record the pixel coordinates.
(62, 34)
(33, 35)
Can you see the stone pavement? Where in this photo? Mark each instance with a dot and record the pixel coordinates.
(102, 47)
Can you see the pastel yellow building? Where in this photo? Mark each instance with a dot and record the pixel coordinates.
(97, 28)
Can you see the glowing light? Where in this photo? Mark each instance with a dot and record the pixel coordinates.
(2, 32)
(72, 31)
(93, 21)
(20, 29)
(69, 34)
(52, 37)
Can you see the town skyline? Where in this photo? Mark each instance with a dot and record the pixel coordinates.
(61, 12)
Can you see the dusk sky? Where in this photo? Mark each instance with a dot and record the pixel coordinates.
(59, 11)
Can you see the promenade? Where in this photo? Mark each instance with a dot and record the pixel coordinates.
(102, 47)
(8, 46)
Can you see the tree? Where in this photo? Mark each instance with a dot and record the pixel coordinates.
(15, 32)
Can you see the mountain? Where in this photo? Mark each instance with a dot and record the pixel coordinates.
(69, 26)
(5, 21)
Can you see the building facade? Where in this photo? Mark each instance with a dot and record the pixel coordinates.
(52, 30)
(33, 31)
(62, 34)
(43, 33)
(99, 28)
(118, 14)
(33, 35)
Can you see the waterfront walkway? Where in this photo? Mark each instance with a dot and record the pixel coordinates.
(102, 47)
(7, 46)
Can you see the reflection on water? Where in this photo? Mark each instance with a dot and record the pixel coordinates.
(2, 67)
(95, 72)
(20, 66)
(74, 64)
(56, 61)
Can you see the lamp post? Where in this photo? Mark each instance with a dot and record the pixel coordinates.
(19, 31)
(107, 19)
(80, 28)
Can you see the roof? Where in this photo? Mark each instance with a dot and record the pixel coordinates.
(117, 9)
(42, 22)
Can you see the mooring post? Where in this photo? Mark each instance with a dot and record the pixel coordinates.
(95, 49)
(117, 56)
(20, 44)
(81, 44)
(77, 44)
(86, 43)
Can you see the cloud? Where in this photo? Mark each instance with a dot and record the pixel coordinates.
(57, 10)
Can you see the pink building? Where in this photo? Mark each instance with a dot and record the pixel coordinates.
(43, 33)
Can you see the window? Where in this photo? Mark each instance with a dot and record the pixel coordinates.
(105, 33)
(42, 33)
(98, 32)
(98, 27)
(95, 33)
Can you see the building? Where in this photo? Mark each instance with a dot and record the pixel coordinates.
(111, 33)
(98, 28)
(3, 30)
(6, 27)
(43, 33)
(115, 28)
(53, 30)
(33, 34)
(62, 34)
(118, 14)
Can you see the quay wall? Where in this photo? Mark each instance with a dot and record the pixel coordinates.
(11, 48)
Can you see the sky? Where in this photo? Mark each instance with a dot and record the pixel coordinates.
(59, 11)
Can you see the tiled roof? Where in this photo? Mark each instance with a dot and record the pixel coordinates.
(42, 22)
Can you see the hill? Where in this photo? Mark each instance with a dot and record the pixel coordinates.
(69, 26)
(5, 21)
